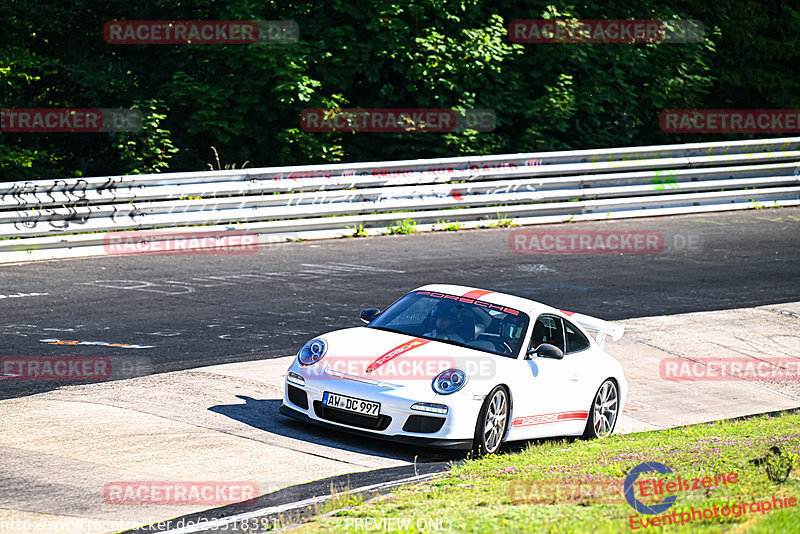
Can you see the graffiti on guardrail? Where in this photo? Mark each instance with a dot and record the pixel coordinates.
(56, 221)
(79, 193)
(665, 179)
(471, 168)
(110, 185)
(103, 204)
(72, 192)
(478, 191)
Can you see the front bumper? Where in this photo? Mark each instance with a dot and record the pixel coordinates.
(409, 440)
(397, 421)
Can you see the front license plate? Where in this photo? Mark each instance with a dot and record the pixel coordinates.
(350, 404)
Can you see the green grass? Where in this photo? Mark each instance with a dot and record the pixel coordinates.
(476, 494)
(341, 499)
(502, 222)
(448, 226)
(358, 231)
(759, 206)
(406, 226)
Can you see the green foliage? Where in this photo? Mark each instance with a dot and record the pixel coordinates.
(447, 226)
(502, 222)
(406, 226)
(358, 231)
(149, 149)
(21, 163)
(247, 100)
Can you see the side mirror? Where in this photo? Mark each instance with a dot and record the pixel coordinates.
(370, 314)
(546, 350)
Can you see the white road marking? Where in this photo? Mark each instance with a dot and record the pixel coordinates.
(21, 295)
(179, 287)
(96, 343)
(536, 268)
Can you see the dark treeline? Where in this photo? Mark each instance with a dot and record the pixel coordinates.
(246, 100)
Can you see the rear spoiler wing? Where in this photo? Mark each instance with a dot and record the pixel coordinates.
(593, 323)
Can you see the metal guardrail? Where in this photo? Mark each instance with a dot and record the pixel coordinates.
(70, 217)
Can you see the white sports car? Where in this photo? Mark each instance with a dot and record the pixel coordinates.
(461, 368)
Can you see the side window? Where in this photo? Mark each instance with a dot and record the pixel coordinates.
(575, 339)
(548, 329)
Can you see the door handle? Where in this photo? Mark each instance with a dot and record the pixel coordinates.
(574, 377)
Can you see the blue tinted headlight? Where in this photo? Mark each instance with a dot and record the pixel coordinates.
(449, 381)
(312, 352)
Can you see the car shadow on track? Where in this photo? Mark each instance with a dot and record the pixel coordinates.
(263, 414)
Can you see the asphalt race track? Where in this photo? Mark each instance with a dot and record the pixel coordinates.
(199, 344)
(161, 313)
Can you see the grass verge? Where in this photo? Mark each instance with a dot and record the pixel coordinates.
(576, 486)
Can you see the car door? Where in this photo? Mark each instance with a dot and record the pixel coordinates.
(550, 402)
(583, 362)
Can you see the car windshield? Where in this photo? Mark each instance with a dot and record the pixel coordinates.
(456, 320)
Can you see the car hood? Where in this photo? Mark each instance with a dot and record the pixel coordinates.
(388, 356)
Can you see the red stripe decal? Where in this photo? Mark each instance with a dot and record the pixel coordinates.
(476, 294)
(397, 351)
(547, 418)
(565, 312)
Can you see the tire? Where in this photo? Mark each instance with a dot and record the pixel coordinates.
(604, 411)
(492, 422)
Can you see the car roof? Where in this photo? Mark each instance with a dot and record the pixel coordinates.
(531, 307)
